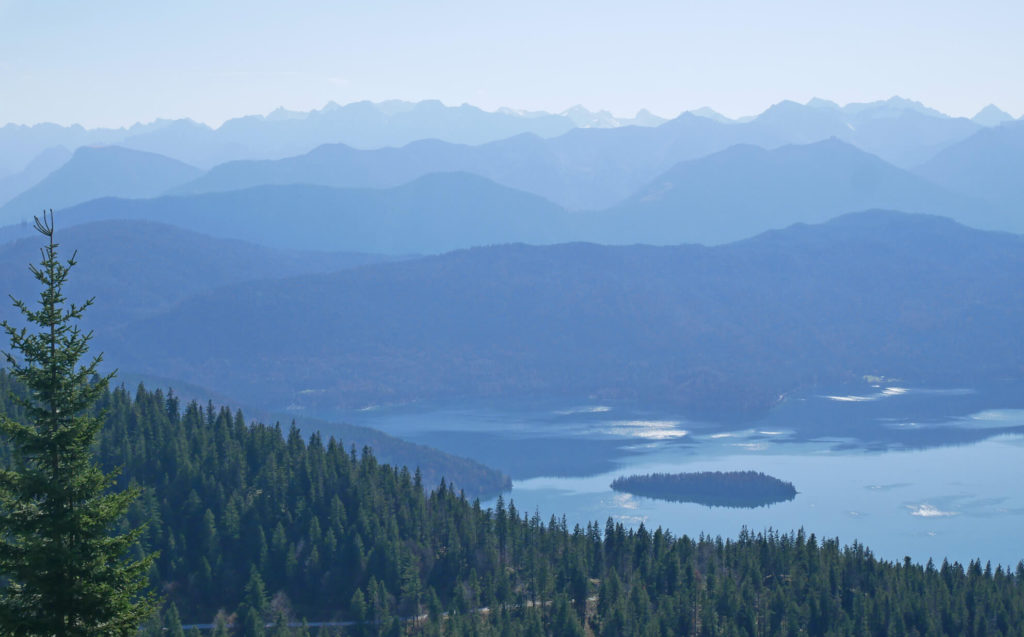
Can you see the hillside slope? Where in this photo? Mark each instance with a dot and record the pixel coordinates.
(746, 190)
(137, 268)
(435, 213)
(986, 166)
(98, 172)
(722, 329)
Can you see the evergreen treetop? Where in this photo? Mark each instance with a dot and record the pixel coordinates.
(66, 572)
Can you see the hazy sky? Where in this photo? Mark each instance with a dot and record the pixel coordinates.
(106, 62)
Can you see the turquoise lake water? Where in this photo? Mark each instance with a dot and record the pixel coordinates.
(919, 472)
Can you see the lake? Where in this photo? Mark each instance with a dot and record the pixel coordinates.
(907, 471)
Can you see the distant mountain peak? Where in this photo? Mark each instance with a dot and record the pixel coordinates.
(646, 118)
(785, 105)
(792, 112)
(892, 107)
(430, 105)
(709, 113)
(522, 112)
(793, 115)
(282, 113)
(582, 117)
(817, 102)
(992, 115)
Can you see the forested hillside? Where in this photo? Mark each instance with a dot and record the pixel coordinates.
(255, 525)
(712, 330)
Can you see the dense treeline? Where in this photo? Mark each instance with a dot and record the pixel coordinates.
(268, 526)
(712, 488)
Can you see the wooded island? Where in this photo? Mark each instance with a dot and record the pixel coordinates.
(746, 489)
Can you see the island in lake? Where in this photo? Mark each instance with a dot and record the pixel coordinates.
(744, 489)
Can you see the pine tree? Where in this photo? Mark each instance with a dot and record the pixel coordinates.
(172, 622)
(67, 573)
(220, 625)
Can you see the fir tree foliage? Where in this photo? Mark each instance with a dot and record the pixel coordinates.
(67, 573)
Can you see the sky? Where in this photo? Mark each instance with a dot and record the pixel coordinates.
(115, 62)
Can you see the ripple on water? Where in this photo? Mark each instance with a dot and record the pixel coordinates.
(929, 511)
(647, 429)
(586, 409)
(885, 393)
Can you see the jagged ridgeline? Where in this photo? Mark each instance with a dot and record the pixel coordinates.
(741, 489)
(269, 527)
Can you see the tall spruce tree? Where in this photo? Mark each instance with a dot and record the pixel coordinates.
(67, 572)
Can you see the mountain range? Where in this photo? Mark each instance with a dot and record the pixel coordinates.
(374, 125)
(283, 132)
(582, 169)
(597, 168)
(723, 197)
(720, 330)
